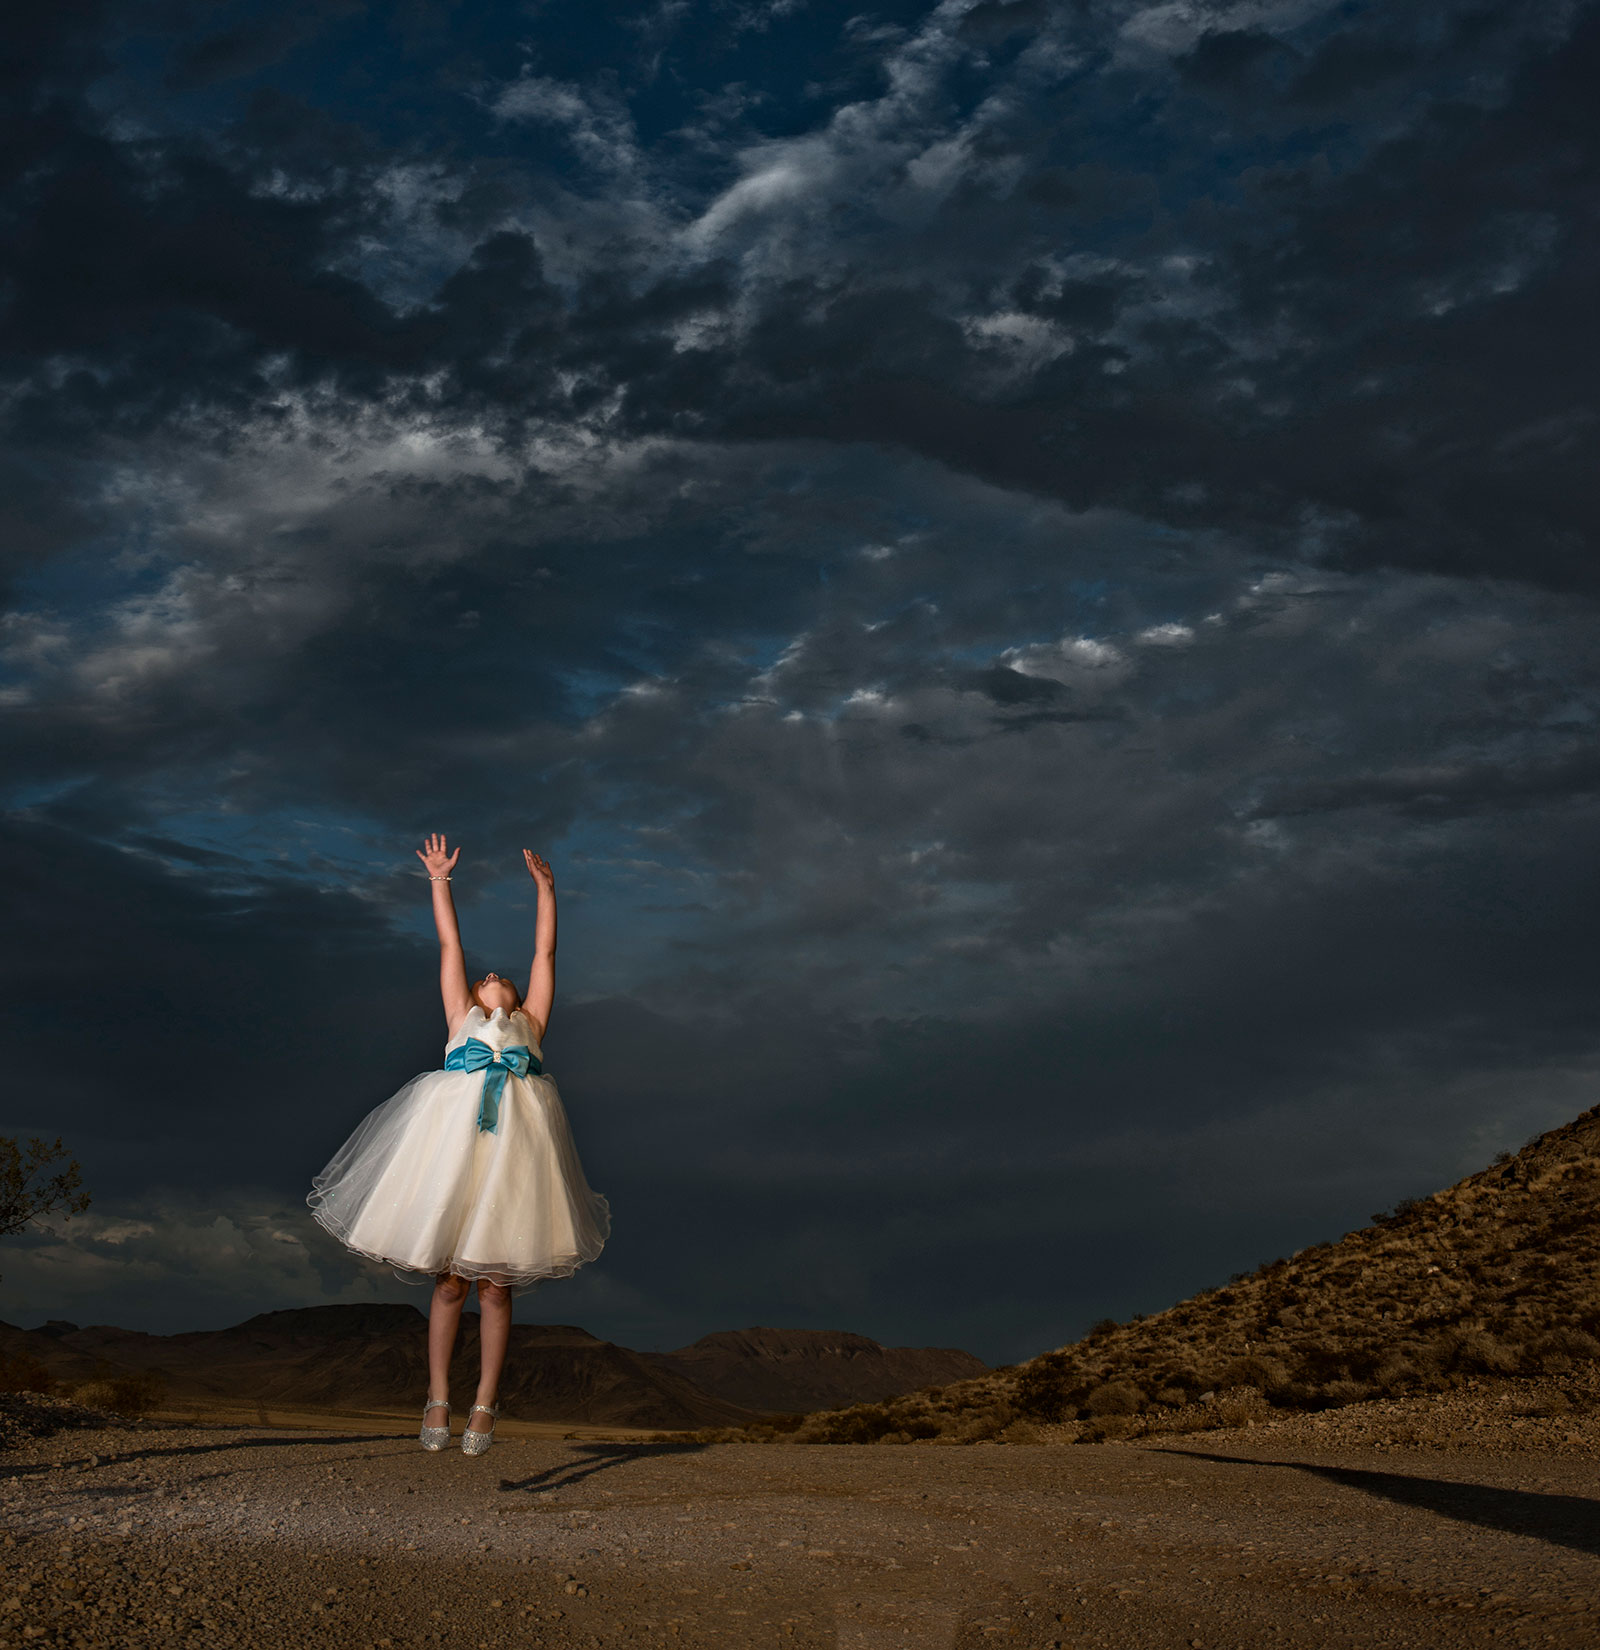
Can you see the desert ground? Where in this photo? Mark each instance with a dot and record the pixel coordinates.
(1478, 1529)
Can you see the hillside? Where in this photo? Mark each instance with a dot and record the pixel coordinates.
(806, 1369)
(376, 1357)
(26, 1354)
(1496, 1276)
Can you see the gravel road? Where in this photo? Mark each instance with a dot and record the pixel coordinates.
(224, 1536)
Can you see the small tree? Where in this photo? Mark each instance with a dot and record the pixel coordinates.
(29, 1190)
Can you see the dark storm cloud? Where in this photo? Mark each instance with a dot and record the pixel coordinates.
(964, 531)
(1446, 790)
(1379, 320)
(253, 45)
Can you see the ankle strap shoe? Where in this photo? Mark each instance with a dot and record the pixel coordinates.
(474, 1442)
(435, 1437)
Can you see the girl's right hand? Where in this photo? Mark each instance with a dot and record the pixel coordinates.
(435, 854)
(539, 870)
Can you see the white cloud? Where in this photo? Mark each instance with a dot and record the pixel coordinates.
(598, 127)
(1166, 635)
(1072, 660)
(1173, 26)
(119, 1266)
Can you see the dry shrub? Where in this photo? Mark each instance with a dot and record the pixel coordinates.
(1397, 1374)
(1023, 1432)
(1240, 1406)
(1323, 1361)
(1476, 1351)
(1045, 1388)
(1114, 1398)
(914, 1428)
(1558, 1352)
(1191, 1418)
(124, 1392)
(898, 1421)
(1265, 1374)
(978, 1426)
(1106, 1426)
(1334, 1393)
(93, 1395)
(860, 1424)
(24, 1373)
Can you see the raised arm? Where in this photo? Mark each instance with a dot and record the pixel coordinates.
(436, 855)
(541, 991)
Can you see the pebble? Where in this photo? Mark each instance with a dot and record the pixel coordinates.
(1220, 1541)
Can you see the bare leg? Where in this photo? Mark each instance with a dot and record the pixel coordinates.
(494, 1330)
(444, 1319)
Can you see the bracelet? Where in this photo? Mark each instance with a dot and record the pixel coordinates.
(432, 878)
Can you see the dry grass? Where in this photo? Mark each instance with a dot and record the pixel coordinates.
(1497, 1276)
(117, 1391)
(125, 1392)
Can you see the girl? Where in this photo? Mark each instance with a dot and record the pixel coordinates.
(470, 1173)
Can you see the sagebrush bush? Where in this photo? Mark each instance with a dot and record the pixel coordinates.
(1397, 1374)
(1045, 1387)
(1478, 1352)
(1559, 1351)
(1114, 1398)
(1266, 1374)
(122, 1392)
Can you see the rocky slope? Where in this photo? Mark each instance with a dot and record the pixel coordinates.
(807, 1369)
(1494, 1278)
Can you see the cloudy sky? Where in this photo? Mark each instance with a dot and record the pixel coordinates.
(1031, 566)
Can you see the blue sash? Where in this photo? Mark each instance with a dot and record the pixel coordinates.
(496, 1065)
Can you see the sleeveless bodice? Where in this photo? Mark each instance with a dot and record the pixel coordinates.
(499, 1030)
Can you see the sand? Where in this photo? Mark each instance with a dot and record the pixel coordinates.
(167, 1534)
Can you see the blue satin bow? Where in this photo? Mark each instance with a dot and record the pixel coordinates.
(496, 1065)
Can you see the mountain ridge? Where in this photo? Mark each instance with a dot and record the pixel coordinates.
(797, 1370)
(373, 1354)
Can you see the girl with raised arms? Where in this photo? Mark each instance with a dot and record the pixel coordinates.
(469, 1174)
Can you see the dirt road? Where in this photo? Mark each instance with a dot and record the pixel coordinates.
(275, 1538)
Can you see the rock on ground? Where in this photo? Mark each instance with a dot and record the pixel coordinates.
(135, 1536)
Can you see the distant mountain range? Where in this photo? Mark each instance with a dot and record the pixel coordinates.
(375, 1356)
(795, 1371)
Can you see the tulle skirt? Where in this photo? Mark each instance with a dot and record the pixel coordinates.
(422, 1188)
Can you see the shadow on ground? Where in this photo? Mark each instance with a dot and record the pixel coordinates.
(1563, 1520)
(596, 1458)
(321, 1440)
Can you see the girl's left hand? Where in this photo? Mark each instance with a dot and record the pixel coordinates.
(539, 870)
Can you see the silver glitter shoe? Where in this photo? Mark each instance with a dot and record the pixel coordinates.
(473, 1442)
(435, 1437)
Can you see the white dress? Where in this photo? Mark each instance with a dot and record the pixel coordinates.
(421, 1186)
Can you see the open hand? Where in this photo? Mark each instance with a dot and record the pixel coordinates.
(435, 854)
(539, 870)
